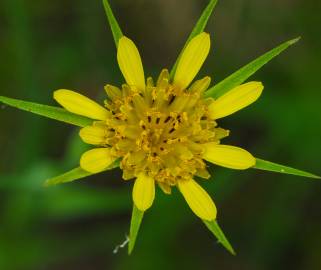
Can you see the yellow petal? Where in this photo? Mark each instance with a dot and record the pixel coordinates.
(94, 134)
(228, 156)
(96, 160)
(236, 99)
(79, 104)
(198, 199)
(130, 63)
(192, 60)
(144, 192)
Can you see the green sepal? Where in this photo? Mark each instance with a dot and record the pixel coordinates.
(136, 220)
(221, 238)
(75, 174)
(274, 167)
(117, 33)
(52, 112)
(198, 28)
(248, 70)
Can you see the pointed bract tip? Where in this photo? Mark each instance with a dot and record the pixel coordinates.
(315, 176)
(295, 40)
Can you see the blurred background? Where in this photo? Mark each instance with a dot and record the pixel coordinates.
(272, 220)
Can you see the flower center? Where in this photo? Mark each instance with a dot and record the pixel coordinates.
(160, 131)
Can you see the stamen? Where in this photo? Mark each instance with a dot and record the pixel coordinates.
(172, 98)
(167, 119)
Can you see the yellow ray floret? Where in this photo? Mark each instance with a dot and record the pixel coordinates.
(96, 160)
(236, 99)
(130, 63)
(95, 134)
(228, 156)
(79, 104)
(198, 199)
(192, 60)
(144, 191)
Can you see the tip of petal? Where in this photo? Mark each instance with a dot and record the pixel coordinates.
(236, 99)
(258, 85)
(198, 199)
(130, 63)
(143, 192)
(228, 156)
(57, 93)
(192, 59)
(124, 39)
(96, 160)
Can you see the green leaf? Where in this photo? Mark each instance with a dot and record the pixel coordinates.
(274, 167)
(245, 72)
(137, 217)
(198, 28)
(52, 112)
(217, 231)
(74, 174)
(117, 33)
(70, 176)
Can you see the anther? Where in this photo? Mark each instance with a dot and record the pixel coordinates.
(171, 100)
(167, 119)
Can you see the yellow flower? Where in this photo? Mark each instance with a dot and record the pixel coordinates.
(162, 131)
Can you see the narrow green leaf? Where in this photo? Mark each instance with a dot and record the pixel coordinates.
(52, 112)
(70, 176)
(137, 217)
(74, 174)
(217, 231)
(117, 33)
(198, 28)
(245, 72)
(274, 167)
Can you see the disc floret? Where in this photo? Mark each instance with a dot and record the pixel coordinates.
(160, 130)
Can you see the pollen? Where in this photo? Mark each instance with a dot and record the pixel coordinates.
(160, 130)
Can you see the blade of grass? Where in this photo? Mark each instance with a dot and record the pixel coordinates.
(274, 167)
(117, 33)
(217, 231)
(74, 174)
(248, 70)
(136, 220)
(198, 28)
(52, 112)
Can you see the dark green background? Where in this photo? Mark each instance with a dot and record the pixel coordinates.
(273, 221)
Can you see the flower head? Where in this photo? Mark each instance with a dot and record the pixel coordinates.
(163, 131)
